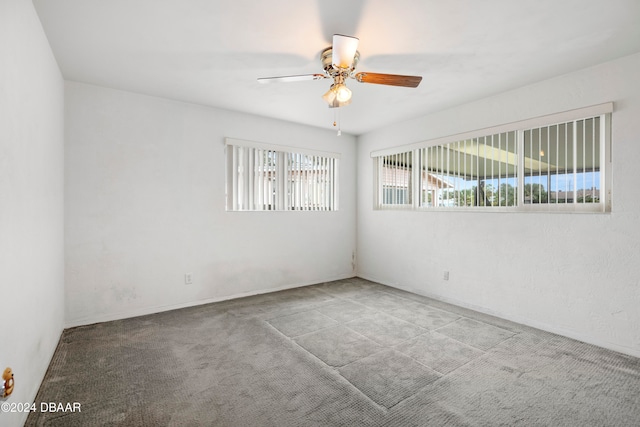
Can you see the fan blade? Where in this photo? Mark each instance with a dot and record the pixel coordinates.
(286, 79)
(343, 50)
(389, 79)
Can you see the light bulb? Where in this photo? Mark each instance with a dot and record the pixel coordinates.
(337, 96)
(343, 94)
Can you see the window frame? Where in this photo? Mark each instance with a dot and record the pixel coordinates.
(602, 111)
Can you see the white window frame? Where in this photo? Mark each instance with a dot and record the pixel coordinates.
(602, 111)
(297, 179)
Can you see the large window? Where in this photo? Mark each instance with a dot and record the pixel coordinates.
(548, 163)
(264, 177)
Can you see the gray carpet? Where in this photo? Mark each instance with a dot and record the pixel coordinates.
(345, 353)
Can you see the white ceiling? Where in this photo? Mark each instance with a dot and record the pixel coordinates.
(211, 52)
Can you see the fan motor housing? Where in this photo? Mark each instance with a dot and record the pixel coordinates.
(329, 68)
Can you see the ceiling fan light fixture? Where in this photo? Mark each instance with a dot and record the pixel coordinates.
(338, 95)
(337, 104)
(343, 94)
(330, 96)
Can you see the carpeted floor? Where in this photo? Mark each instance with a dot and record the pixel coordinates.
(345, 353)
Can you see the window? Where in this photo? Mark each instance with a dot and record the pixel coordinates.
(471, 172)
(552, 163)
(562, 163)
(395, 179)
(263, 177)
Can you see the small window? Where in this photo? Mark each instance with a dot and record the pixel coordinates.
(262, 177)
(395, 179)
(520, 167)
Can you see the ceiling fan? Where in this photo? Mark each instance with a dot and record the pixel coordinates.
(339, 62)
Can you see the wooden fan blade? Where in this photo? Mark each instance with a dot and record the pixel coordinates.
(286, 79)
(389, 79)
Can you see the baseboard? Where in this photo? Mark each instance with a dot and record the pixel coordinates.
(516, 319)
(158, 309)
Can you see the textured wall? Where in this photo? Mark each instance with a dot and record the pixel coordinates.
(145, 204)
(575, 274)
(31, 201)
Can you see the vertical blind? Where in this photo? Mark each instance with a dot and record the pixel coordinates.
(559, 166)
(472, 172)
(562, 163)
(396, 186)
(262, 177)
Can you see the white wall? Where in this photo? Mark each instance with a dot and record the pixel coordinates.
(145, 204)
(574, 274)
(31, 201)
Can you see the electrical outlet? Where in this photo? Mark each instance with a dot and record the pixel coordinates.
(188, 278)
(446, 275)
